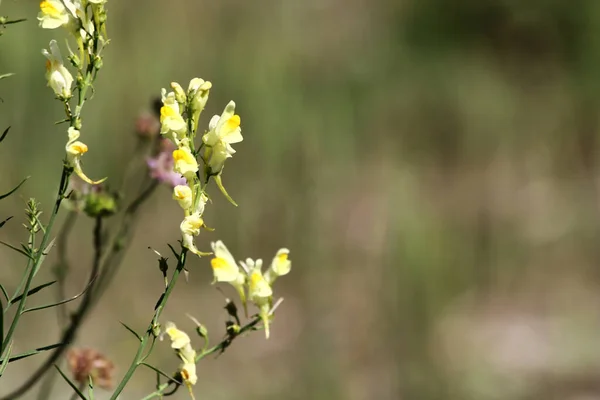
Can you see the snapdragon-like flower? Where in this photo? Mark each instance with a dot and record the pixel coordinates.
(190, 227)
(172, 123)
(225, 269)
(181, 343)
(58, 76)
(259, 291)
(179, 94)
(53, 13)
(198, 90)
(183, 195)
(280, 266)
(75, 149)
(185, 163)
(223, 131)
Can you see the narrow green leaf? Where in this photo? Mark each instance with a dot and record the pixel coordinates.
(173, 250)
(91, 387)
(33, 291)
(15, 21)
(4, 361)
(14, 190)
(158, 371)
(5, 293)
(25, 248)
(39, 224)
(17, 249)
(222, 189)
(43, 256)
(58, 303)
(2, 321)
(5, 221)
(4, 134)
(73, 386)
(132, 331)
(34, 352)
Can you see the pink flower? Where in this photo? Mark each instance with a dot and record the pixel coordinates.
(161, 166)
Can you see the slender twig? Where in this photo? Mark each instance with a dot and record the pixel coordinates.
(220, 347)
(114, 251)
(97, 278)
(139, 356)
(61, 268)
(39, 255)
(76, 320)
(75, 395)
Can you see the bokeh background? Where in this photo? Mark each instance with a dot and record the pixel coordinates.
(433, 166)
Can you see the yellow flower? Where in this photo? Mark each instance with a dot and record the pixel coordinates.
(58, 76)
(183, 195)
(179, 339)
(280, 266)
(75, 149)
(188, 373)
(185, 163)
(258, 288)
(201, 204)
(181, 343)
(54, 14)
(223, 131)
(259, 292)
(225, 269)
(172, 123)
(190, 227)
(179, 93)
(198, 90)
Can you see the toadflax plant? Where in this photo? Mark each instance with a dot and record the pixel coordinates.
(172, 152)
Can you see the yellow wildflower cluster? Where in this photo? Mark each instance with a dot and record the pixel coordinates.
(84, 20)
(250, 278)
(181, 343)
(179, 118)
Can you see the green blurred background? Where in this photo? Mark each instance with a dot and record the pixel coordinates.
(433, 166)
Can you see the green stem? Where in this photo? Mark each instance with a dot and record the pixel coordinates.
(61, 268)
(227, 341)
(158, 392)
(205, 353)
(139, 356)
(37, 262)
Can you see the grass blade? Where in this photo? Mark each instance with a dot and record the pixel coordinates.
(91, 388)
(34, 352)
(33, 291)
(5, 221)
(4, 292)
(43, 256)
(6, 358)
(173, 251)
(158, 371)
(14, 190)
(18, 250)
(85, 289)
(1, 323)
(4, 134)
(132, 331)
(73, 386)
(14, 21)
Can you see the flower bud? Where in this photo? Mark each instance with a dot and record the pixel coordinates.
(100, 203)
(179, 93)
(183, 195)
